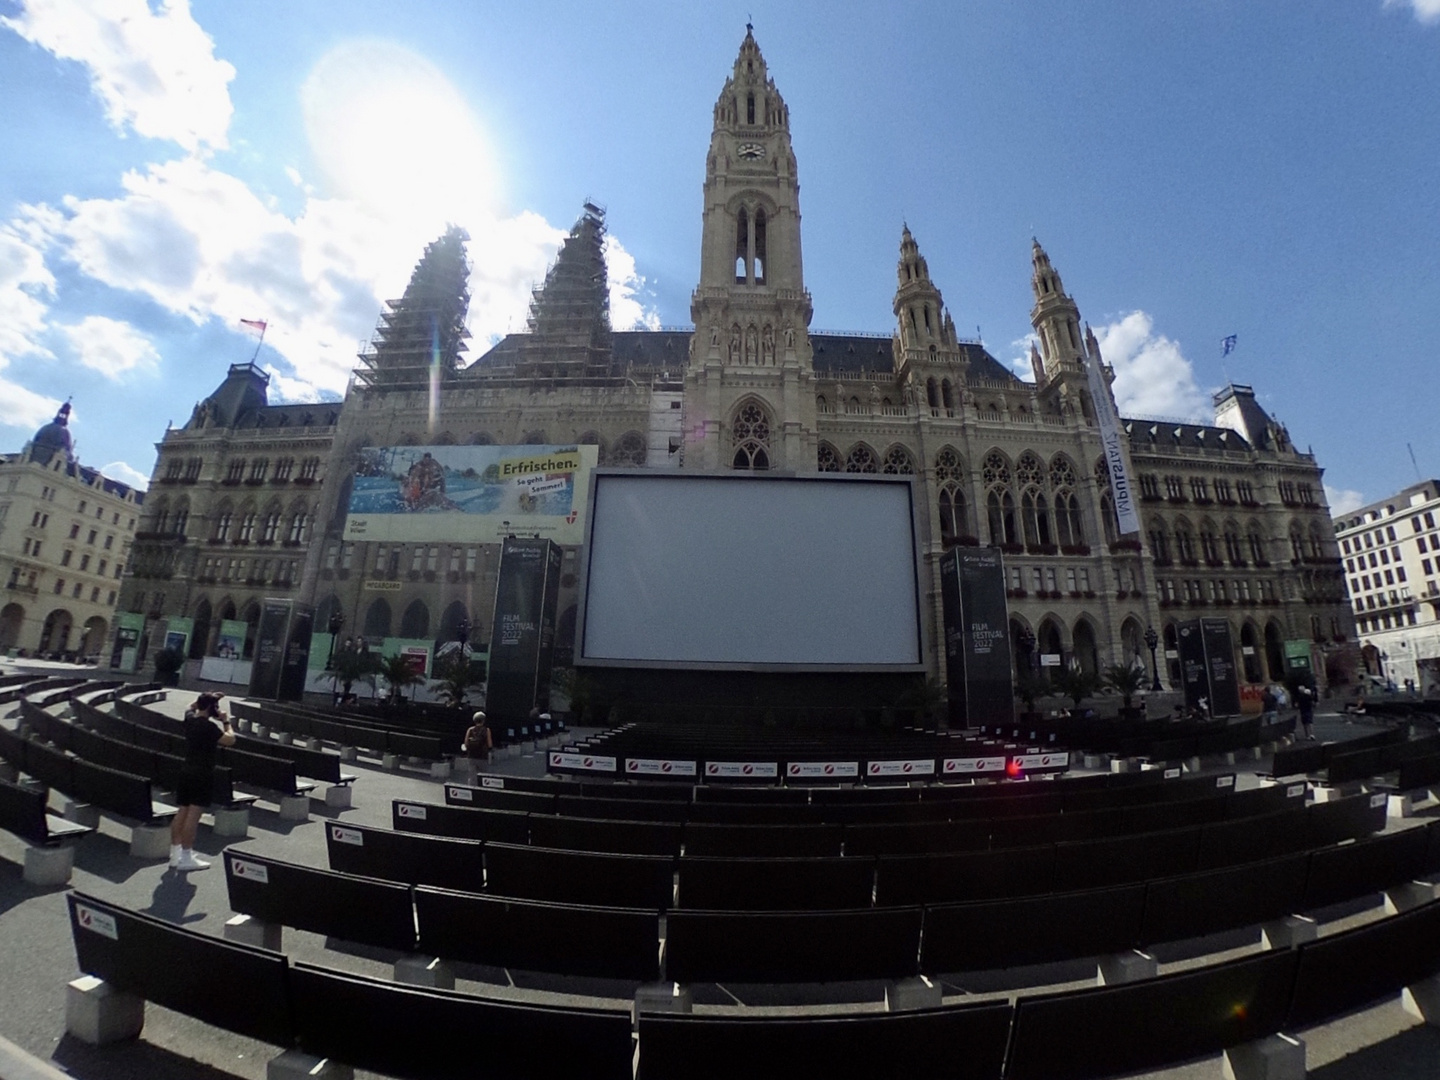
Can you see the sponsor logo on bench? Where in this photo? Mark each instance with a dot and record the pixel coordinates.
(1224, 781)
(659, 767)
(913, 767)
(492, 781)
(1377, 800)
(760, 770)
(1294, 791)
(957, 765)
(1171, 774)
(832, 769)
(561, 759)
(97, 922)
(343, 835)
(410, 810)
(460, 794)
(1042, 761)
(249, 871)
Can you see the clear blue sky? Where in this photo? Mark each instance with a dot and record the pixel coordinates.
(1195, 169)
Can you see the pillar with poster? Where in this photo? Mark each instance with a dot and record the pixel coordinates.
(1207, 667)
(282, 650)
(977, 643)
(522, 638)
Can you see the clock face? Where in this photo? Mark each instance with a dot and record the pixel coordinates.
(751, 151)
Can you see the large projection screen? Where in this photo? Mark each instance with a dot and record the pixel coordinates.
(747, 572)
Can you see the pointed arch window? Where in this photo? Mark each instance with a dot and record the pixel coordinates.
(1068, 523)
(742, 247)
(947, 395)
(1107, 516)
(932, 393)
(1000, 509)
(760, 262)
(749, 108)
(861, 459)
(750, 435)
(954, 521)
(1036, 516)
(629, 450)
(827, 460)
(898, 462)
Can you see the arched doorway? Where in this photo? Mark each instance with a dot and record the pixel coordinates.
(200, 635)
(1023, 645)
(12, 621)
(451, 619)
(1084, 650)
(1051, 642)
(93, 641)
(377, 620)
(55, 632)
(1274, 652)
(415, 623)
(1132, 643)
(1250, 653)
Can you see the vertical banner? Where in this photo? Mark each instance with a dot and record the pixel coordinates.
(1194, 672)
(297, 653)
(517, 639)
(1220, 667)
(271, 638)
(977, 638)
(1113, 440)
(129, 625)
(177, 634)
(230, 645)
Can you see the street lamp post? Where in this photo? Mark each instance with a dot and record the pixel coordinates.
(337, 620)
(1152, 639)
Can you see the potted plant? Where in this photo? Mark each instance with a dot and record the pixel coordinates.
(1076, 683)
(168, 663)
(1127, 680)
(1029, 687)
(349, 666)
(452, 675)
(398, 674)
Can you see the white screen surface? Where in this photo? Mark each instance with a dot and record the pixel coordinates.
(746, 571)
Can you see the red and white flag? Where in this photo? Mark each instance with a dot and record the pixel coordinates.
(254, 324)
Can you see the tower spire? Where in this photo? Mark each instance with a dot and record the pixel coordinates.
(423, 331)
(1055, 317)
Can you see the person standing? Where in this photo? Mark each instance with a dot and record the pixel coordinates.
(1305, 702)
(478, 739)
(195, 788)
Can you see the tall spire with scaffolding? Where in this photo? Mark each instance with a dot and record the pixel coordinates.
(570, 313)
(419, 337)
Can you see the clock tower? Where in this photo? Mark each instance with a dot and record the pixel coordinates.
(750, 402)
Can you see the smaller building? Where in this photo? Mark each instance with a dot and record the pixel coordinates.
(65, 536)
(1391, 551)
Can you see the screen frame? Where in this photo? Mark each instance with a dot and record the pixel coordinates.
(917, 592)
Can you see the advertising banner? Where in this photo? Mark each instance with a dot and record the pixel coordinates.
(129, 625)
(658, 767)
(561, 759)
(977, 638)
(907, 767)
(230, 645)
(970, 766)
(481, 494)
(177, 634)
(742, 770)
(1127, 517)
(296, 665)
(822, 770)
(522, 637)
(1194, 676)
(1220, 663)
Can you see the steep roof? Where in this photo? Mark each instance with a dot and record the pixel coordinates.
(1171, 434)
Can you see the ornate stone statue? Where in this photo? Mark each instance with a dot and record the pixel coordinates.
(789, 337)
(752, 345)
(735, 345)
(767, 352)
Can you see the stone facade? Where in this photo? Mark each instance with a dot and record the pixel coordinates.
(65, 538)
(996, 459)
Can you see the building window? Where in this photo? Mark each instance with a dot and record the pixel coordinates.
(258, 469)
(750, 434)
(65, 557)
(297, 527)
(283, 468)
(247, 528)
(309, 468)
(84, 562)
(235, 471)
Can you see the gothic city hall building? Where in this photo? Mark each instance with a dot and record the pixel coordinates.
(249, 500)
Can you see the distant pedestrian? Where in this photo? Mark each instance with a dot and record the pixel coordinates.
(195, 788)
(1305, 702)
(478, 739)
(1269, 706)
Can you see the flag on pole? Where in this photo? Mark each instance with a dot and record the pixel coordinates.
(1228, 345)
(254, 324)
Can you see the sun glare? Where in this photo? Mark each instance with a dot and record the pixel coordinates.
(390, 132)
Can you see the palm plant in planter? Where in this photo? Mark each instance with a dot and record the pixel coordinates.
(1076, 683)
(351, 666)
(454, 674)
(1028, 688)
(1127, 680)
(398, 674)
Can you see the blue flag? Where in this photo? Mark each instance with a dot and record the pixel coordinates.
(1228, 345)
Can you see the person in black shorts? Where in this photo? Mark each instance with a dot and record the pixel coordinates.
(197, 777)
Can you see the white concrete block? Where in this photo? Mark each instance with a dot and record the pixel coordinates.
(311, 743)
(1126, 967)
(284, 738)
(82, 813)
(906, 995)
(47, 866)
(98, 1014)
(1323, 793)
(293, 1065)
(664, 997)
(348, 753)
(390, 761)
(1276, 1057)
(440, 770)
(1402, 805)
(1288, 932)
(1410, 895)
(248, 931)
(339, 796)
(243, 726)
(295, 808)
(232, 822)
(261, 731)
(1192, 765)
(1422, 1000)
(150, 842)
(429, 971)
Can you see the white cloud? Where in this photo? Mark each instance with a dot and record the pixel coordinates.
(111, 347)
(25, 286)
(1427, 12)
(1152, 376)
(119, 470)
(154, 70)
(627, 287)
(1343, 500)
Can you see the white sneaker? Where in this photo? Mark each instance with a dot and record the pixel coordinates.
(190, 861)
(175, 850)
